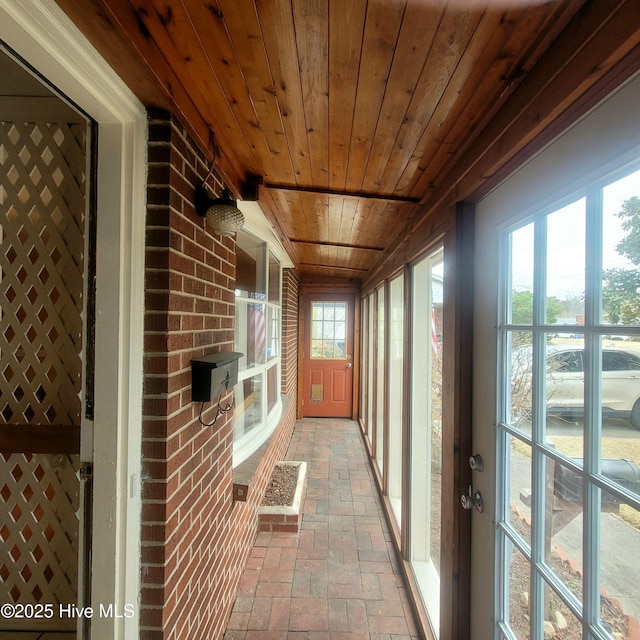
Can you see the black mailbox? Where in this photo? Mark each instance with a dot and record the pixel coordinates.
(568, 485)
(212, 375)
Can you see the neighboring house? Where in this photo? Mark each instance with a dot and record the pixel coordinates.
(116, 488)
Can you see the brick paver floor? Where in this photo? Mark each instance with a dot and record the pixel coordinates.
(338, 578)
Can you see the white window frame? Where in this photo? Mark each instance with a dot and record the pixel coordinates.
(257, 226)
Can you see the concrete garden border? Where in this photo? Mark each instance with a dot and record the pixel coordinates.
(285, 518)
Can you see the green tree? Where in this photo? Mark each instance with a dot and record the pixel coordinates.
(621, 287)
(630, 216)
(620, 295)
(522, 308)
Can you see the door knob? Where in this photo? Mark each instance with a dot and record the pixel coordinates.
(348, 365)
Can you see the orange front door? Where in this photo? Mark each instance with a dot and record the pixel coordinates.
(328, 356)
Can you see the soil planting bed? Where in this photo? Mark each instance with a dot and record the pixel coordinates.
(281, 508)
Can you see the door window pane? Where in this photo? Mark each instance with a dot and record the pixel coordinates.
(518, 505)
(328, 330)
(565, 264)
(519, 577)
(521, 258)
(519, 360)
(619, 531)
(621, 252)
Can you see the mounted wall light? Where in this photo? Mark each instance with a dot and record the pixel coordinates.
(221, 213)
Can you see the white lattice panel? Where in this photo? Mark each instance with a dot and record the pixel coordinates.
(39, 528)
(42, 258)
(42, 186)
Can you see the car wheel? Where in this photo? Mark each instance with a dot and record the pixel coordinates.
(635, 416)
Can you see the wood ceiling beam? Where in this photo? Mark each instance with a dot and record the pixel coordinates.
(329, 266)
(339, 245)
(342, 194)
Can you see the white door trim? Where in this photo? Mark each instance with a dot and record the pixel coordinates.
(43, 35)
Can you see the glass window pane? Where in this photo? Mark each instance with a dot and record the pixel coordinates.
(564, 388)
(248, 399)
(380, 367)
(328, 330)
(251, 262)
(274, 279)
(519, 577)
(520, 487)
(521, 311)
(619, 533)
(364, 363)
(566, 259)
(395, 390)
(520, 372)
(620, 389)
(273, 338)
(371, 366)
(563, 530)
(621, 252)
(328, 333)
(426, 431)
(272, 387)
(250, 333)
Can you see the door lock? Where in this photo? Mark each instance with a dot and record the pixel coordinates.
(476, 463)
(470, 500)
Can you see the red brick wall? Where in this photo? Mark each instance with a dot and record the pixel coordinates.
(195, 538)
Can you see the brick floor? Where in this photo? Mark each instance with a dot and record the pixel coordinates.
(338, 577)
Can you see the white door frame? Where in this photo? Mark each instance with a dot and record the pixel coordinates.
(40, 32)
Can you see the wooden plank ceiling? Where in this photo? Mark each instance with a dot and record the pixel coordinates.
(360, 116)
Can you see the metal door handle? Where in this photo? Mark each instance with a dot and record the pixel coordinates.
(471, 500)
(348, 365)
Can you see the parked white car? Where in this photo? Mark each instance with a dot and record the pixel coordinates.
(620, 383)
